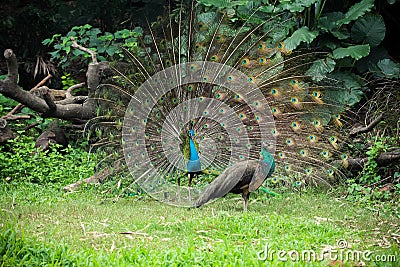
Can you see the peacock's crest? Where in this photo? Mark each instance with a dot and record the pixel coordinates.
(236, 86)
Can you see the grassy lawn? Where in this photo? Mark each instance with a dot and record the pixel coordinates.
(44, 226)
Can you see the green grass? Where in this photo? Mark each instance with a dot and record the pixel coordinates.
(41, 225)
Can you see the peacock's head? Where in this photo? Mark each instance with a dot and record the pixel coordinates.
(191, 133)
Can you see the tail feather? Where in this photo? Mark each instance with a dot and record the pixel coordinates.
(151, 106)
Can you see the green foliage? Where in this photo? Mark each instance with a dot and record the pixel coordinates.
(6, 104)
(364, 188)
(300, 35)
(386, 68)
(108, 46)
(67, 81)
(356, 11)
(20, 161)
(37, 20)
(78, 229)
(355, 51)
(353, 88)
(347, 36)
(397, 186)
(369, 29)
(369, 173)
(16, 251)
(321, 68)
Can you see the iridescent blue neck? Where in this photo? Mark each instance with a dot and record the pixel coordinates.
(193, 164)
(194, 155)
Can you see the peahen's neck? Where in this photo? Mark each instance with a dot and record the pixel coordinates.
(269, 159)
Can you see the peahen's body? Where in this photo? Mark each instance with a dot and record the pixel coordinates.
(233, 85)
(242, 178)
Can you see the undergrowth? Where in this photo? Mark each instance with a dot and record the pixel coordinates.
(375, 184)
(20, 161)
(42, 225)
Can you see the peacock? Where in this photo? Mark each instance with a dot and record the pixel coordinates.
(207, 97)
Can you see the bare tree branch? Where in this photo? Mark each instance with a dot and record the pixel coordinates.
(73, 87)
(95, 178)
(46, 106)
(16, 117)
(383, 159)
(87, 50)
(17, 108)
(98, 177)
(367, 128)
(5, 131)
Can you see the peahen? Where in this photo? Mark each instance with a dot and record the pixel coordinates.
(234, 180)
(205, 94)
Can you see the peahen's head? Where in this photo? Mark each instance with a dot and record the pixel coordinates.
(268, 158)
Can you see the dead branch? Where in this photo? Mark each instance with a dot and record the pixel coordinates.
(46, 106)
(5, 131)
(17, 108)
(16, 117)
(383, 159)
(53, 135)
(30, 126)
(98, 177)
(44, 92)
(87, 50)
(70, 98)
(95, 178)
(73, 100)
(367, 128)
(73, 87)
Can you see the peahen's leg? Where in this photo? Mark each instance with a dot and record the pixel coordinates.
(245, 196)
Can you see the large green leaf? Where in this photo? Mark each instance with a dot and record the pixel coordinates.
(369, 29)
(389, 68)
(300, 35)
(216, 3)
(377, 53)
(321, 68)
(328, 24)
(355, 51)
(356, 11)
(223, 3)
(351, 93)
(297, 5)
(341, 34)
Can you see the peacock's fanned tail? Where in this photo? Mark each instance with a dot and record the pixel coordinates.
(236, 86)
